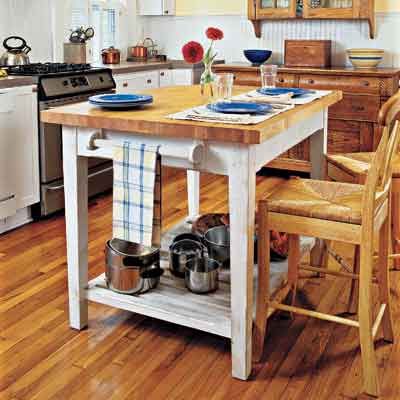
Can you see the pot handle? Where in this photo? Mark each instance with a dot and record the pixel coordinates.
(134, 262)
(152, 273)
(27, 49)
(20, 47)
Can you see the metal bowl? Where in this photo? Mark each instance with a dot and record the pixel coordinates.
(181, 252)
(217, 240)
(201, 275)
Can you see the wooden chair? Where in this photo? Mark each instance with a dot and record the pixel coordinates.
(342, 212)
(352, 168)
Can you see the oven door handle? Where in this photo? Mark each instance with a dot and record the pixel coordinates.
(54, 188)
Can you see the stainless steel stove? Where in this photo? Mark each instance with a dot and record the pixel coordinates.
(60, 84)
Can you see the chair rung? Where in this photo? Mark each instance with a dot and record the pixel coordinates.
(378, 320)
(328, 271)
(315, 314)
(391, 257)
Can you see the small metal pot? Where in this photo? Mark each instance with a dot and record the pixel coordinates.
(201, 275)
(181, 252)
(111, 56)
(131, 268)
(217, 241)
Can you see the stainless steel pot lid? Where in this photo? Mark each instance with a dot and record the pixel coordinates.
(218, 236)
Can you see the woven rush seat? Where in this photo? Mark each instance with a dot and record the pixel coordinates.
(359, 163)
(333, 201)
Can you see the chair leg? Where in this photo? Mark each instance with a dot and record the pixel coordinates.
(370, 370)
(354, 288)
(293, 264)
(325, 257)
(395, 233)
(260, 324)
(384, 281)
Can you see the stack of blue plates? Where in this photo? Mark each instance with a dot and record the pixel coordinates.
(120, 101)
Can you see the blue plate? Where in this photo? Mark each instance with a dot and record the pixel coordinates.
(239, 108)
(120, 106)
(297, 92)
(120, 98)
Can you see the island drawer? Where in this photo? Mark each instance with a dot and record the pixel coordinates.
(254, 79)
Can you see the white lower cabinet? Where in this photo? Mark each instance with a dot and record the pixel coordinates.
(19, 150)
(129, 83)
(182, 77)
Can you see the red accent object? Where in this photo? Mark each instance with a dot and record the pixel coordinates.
(214, 34)
(193, 52)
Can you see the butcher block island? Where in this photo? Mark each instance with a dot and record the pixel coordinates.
(353, 122)
(236, 151)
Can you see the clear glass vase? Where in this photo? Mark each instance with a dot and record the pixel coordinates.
(206, 80)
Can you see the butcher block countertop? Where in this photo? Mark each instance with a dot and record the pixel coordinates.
(152, 119)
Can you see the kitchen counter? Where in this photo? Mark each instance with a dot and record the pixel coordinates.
(236, 151)
(126, 67)
(15, 81)
(342, 71)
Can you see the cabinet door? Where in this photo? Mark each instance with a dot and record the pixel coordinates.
(7, 155)
(274, 8)
(150, 7)
(330, 9)
(182, 77)
(165, 77)
(26, 141)
(130, 83)
(168, 7)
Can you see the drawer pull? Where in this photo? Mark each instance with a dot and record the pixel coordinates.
(358, 108)
(365, 83)
(162, 73)
(149, 81)
(281, 80)
(125, 84)
(311, 81)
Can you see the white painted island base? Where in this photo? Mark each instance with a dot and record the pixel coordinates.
(239, 162)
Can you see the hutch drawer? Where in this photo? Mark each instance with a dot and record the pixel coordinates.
(356, 108)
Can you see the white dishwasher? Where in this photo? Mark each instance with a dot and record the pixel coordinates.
(8, 156)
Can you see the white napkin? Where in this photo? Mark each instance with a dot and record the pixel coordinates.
(203, 114)
(256, 97)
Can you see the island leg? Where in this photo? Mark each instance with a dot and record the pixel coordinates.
(193, 190)
(242, 183)
(318, 151)
(76, 221)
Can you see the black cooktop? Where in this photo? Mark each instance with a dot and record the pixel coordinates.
(47, 68)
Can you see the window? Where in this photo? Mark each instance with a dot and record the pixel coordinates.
(103, 16)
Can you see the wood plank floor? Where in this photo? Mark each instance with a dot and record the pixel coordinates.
(126, 356)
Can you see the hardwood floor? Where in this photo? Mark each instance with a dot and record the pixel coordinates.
(127, 356)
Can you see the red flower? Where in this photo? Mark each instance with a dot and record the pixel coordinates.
(193, 52)
(214, 34)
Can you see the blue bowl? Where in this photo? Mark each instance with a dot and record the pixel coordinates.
(257, 57)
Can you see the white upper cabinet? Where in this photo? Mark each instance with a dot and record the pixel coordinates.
(156, 7)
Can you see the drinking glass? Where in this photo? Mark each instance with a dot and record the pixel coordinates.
(223, 85)
(269, 74)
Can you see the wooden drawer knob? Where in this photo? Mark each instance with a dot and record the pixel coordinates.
(358, 108)
(311, 81)
(125, 84)
(281, 80)
(365, 83)
(149, 81)
(162, 73)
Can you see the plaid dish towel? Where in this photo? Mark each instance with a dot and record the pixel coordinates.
(137, 194)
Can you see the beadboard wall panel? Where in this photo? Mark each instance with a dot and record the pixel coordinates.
(172, 32)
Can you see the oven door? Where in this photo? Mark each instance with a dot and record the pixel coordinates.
(51, 163)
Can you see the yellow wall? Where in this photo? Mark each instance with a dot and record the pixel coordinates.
(238, 7)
